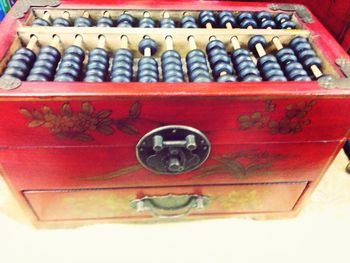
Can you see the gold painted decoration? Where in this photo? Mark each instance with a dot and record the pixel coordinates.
(241, 165)
(67, 124)
(239, 200)
(293, 120)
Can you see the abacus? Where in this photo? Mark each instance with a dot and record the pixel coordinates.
(181, 110)
(183, 46)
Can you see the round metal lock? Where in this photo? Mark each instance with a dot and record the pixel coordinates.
(173, 149)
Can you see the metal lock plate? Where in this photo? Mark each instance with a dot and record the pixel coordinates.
(173, 149)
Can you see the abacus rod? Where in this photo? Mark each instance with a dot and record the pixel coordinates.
(78, 41)
(277, 42)
(124, 41)
(46, 16)
(166, 14)
(32, 42)
(86, 14)
(66, 15)
(106, 14)
(146, 14)
(169, 42)
(56, 42)
(192, 42)
(260, 50)
(316, 71)
(235, 43)
(101, 42)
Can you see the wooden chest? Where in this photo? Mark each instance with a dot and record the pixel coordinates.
(144, 112)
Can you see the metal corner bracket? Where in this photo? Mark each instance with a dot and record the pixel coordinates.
(341, 83)
(22, 7)
(302, 12)
(9, 82)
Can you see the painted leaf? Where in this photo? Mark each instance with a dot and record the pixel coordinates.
(37, 115)
(35, 123)
(135, 110)
(127, 128)
(26, 113)
(87, 107)
(66, 109)
(46, 109)
(255, 167)
(108, 176)
(105, 129)
(84, 137)
(103, 114)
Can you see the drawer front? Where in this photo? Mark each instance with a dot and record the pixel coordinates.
(95, 167)
(224, 120)
(169, 202)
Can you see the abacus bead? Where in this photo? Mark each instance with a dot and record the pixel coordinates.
(45, 66)
(207, 17)
(105, 22)
(257, 39)
(214, 44)
(148, 43)
(126, 19)
(281, 16)
(188, 22)
(312, 61)
(248, 22)
(82, 22)
(227, 17)
(268, 24)
(147, 22)
(244, 15)
(296, 41)
(226, 78)
(252, 78)
(222, 67)
(60, 21)
(263, 15)
(40, 22)
(167, 23)
(239, 52)
(288, 24)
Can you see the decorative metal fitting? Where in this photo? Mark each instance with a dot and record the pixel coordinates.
(9, 82)
(341, 83)
(22, 6)
(301, 11)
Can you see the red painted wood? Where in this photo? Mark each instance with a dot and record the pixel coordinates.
(114, 203)
(93, 167)
(285, 131)
(224, 121)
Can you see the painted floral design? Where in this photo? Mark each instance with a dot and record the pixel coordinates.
(241, 164)
(67, 124)
(293, 121)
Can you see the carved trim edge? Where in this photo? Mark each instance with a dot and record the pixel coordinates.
(302, 12)
(22, 7)
(9, 82)
(341, 83)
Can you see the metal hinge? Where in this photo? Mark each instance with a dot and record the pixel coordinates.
(301, 11)
(9, 82)
(341, 83)
(23, 6)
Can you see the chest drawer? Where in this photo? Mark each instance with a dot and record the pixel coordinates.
(167, 202)
(97, 167)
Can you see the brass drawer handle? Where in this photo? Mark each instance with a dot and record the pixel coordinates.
(163, 207)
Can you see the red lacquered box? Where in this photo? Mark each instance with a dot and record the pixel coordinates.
(99, 150)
